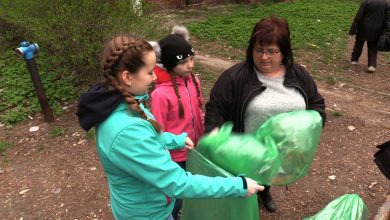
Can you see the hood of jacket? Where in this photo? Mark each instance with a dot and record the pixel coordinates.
(162, 75)
(96, 104)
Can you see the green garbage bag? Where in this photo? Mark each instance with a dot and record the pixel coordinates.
(216, 209)
(346, 207)
(280, 152)
(296, 135)
(240, 154)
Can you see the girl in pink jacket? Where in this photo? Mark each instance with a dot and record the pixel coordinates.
(177, 100)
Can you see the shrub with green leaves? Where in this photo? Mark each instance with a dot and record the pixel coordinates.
(72, 31)
(70, 35)
(18, 98)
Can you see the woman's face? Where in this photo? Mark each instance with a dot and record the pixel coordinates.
(184, 68)
(140, 82)
(267, 58)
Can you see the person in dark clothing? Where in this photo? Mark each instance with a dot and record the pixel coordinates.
(265, 84)
(368, 26)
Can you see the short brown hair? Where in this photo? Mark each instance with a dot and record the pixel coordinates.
(271, 30)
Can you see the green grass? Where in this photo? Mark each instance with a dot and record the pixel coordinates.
(57, 131)
(337, 113)
(90, 135)
(4, 146)
(315, 25)
(40, 147)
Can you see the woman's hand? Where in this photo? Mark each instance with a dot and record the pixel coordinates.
(189, 144)
(214, 131)
(253, 187)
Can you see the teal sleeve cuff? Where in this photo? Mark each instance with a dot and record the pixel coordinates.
(182, 139)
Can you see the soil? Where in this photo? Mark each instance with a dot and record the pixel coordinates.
(48, 174)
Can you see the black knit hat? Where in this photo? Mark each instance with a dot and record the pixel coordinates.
(174, 48)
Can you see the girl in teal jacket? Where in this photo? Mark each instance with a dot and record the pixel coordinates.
(143, 180)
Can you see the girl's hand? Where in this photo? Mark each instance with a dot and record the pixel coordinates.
(253, 187)
(189, 144)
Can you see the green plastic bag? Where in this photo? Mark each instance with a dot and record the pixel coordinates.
(346, 207)
(296, 135)
(216, 209)
(279, 153)
(240, 154)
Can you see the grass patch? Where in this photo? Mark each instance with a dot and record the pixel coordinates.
(337, 113)
(4, 146)
(90, 135)
(40, 147)
(57, 131)
(319, 26)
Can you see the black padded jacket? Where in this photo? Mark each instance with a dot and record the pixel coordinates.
(239, 84)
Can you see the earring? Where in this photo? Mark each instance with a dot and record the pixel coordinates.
(129, 84)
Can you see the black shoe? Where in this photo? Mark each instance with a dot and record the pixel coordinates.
(267, 201)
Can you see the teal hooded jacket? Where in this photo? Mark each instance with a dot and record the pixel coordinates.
(143, 180)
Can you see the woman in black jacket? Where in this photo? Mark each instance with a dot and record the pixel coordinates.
(368, 26)
(266, 84)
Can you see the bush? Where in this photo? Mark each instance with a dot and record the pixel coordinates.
(73, 31)
(70, 35)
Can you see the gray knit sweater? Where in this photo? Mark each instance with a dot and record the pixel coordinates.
(275, 99)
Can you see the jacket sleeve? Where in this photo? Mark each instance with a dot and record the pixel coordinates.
(357, 19)
(217, 108)
(137, 151)
(173, 141)
(315, 100)
(386, 27)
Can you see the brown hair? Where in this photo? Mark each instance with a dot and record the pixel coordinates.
(125, 52)
(175, 87)
(271, 30)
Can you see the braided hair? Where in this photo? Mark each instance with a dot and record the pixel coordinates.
(198, 93)
(125, 52)
(176, 88)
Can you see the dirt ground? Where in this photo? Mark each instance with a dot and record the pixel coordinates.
(46, 176)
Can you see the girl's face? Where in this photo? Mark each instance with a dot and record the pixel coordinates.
(267, 58)
(184, 68)
(140, 82)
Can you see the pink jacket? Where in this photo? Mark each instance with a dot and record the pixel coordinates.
(165, 108)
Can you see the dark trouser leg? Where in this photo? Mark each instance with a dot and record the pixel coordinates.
(357, 50)
(178, 203)
(372, 52)
(267, 200)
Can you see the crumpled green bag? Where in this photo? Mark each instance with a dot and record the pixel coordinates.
(346, 207)
(215, 209)
(279, 153)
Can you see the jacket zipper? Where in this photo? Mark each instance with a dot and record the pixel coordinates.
(241, 129)
(302, 92)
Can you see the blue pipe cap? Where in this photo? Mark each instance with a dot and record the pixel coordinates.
(27, 50)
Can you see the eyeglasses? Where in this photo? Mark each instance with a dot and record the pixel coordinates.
(269, 51)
